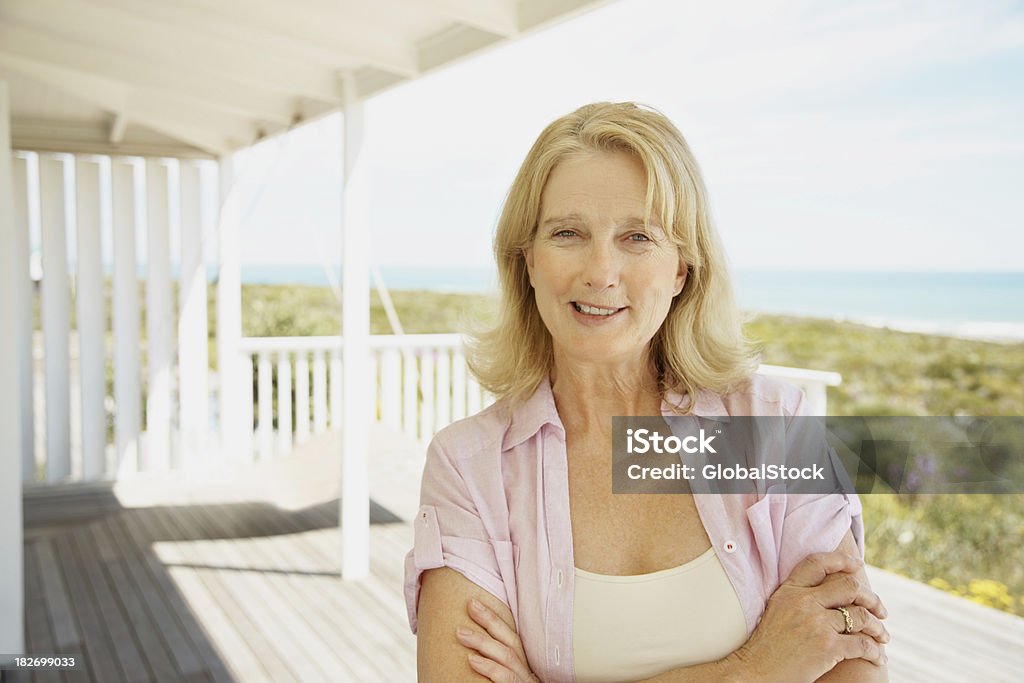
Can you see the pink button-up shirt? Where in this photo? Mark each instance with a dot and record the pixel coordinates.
(494, 506)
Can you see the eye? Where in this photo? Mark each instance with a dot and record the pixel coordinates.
(639, 237)
(565, 232)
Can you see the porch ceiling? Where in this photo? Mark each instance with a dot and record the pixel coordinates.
(200, 78)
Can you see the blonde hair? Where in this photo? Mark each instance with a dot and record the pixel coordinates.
(700, 345)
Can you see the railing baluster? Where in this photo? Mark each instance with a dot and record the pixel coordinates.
(390, 388)
(409, 392)
(458, 384)
(374, 390)
(302, 397)
(335, 388)
(427, 400)
(245, 410)
(473, 396)
(319, 392)
(265, 400)
(444, 389)
(284, 402)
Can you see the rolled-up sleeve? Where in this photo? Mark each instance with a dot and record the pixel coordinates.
(815, 524)
(449, 532)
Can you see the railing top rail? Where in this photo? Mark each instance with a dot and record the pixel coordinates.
(831, 379)
(331, 343)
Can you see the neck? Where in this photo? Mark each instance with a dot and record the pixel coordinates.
(587, 396)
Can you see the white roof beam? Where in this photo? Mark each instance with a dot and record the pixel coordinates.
(153, 41)
(267, 35)
(337, 39)
(91, 138)
(494, 16)
(210, 90)
(207, 130)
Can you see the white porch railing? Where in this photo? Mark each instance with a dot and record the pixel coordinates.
(420, 383)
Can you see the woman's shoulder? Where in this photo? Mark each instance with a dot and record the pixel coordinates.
(762, 395)
(482, 431)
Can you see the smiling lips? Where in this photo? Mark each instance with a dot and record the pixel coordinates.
(595, 310)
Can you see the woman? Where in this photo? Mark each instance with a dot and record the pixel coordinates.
(616, 301)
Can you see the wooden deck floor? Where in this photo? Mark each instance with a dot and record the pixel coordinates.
(229, 592)
(225, 588)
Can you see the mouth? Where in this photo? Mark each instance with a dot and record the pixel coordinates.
(595, 311)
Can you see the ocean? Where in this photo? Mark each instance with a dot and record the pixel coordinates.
(970, 304)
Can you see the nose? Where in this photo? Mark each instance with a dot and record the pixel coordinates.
(601, 268)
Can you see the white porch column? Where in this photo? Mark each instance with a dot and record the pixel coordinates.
(193, 354)
(235, 397)
(23, 323)
(127, 374)
(12, 597)
(56, 318)
(91, 323)
(355, 223)
(159, 321)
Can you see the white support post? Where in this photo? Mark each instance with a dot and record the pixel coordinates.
(355, 229)
(12, 592)
(284, 403)
(56, 318)
(127, 373)
(159, 321)
(193, 353)
(91, 322)
(23, 320)
(235, 399)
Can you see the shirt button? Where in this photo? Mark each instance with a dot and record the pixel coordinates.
(559, 578)
(730, 547)
(557, 659)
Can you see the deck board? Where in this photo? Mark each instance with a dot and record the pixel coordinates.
(223, 585)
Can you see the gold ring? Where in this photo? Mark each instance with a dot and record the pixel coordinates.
(849, 620)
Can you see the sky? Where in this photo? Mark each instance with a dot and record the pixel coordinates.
(869, 135)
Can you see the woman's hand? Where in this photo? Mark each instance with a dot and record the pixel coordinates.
(800, 637)
(501, 656)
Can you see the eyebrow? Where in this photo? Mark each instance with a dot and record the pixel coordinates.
(632, 222)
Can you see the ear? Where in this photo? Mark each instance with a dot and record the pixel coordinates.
(528, 257)
(680, 276)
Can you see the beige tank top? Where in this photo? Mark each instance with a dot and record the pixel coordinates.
(626, 628)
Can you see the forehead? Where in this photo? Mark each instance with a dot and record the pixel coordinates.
(595, 182)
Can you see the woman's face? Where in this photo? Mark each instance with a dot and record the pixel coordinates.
(603, 280)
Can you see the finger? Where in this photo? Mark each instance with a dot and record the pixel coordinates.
(860, 646)
(842, 589)
(863, 622)
(814, 568)
(486, 646)
(491, 670)
(495, 626)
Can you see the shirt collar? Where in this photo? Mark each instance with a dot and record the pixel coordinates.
(538, 410)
